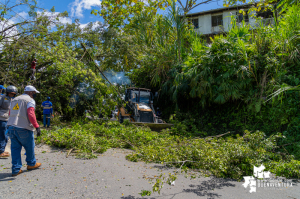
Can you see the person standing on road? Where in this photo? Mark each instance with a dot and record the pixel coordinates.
(1, 89)
(47, 111)
(5, 100)
(21, 124)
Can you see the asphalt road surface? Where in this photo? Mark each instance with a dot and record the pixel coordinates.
(112, 176)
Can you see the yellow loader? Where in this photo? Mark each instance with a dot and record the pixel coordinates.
(139, 109)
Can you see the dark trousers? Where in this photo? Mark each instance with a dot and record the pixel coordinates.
(46, 119)
(3, 137)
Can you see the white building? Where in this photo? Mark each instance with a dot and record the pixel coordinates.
(218, 20)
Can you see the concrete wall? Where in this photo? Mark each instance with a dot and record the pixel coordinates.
(204, 24)
(227, 19)
(252, 21)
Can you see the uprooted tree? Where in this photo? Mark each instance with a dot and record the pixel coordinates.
(66, 70)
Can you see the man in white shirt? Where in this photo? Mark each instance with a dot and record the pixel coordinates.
(21, 124)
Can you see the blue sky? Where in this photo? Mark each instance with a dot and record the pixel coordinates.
(81, 9)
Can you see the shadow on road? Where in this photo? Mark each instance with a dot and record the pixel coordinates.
(6, 177)
(205, 188)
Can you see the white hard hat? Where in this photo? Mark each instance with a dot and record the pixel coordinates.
(31, 88)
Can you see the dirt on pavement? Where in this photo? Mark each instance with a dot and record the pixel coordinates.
(112, 176)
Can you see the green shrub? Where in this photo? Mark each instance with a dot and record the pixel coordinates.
(232, 156)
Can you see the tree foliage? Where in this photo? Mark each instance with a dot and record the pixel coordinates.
(224, 82)
(121, 12)
(245, 64)
(65, 70)
(231, 157)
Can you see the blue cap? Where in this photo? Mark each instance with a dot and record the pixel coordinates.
(2, 87)
(48, 98)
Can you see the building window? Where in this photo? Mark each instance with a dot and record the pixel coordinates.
(195, 23)
(241, 17)
(217, 20)
(265, 14)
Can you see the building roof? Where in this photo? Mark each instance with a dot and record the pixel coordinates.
(141, 89)
(236, 7)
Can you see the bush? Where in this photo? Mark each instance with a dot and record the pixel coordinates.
(230, 157)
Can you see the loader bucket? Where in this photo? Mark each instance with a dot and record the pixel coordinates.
(154, 126)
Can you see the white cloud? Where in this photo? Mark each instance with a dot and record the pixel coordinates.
(65, 20)
(7, 33)
(79, 5)
(8, 29)
(82, 26)
(23, 14)
(7, 24)
(95, 25)
(53, 15)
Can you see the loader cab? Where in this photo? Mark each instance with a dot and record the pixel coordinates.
(139, 109)
(138, 95)
(140, 104)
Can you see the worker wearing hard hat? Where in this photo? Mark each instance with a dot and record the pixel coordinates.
(47, 111)
(21, 124)
(5, 100)
(1, 89)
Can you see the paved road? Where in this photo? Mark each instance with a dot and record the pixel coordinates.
(112, 176)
